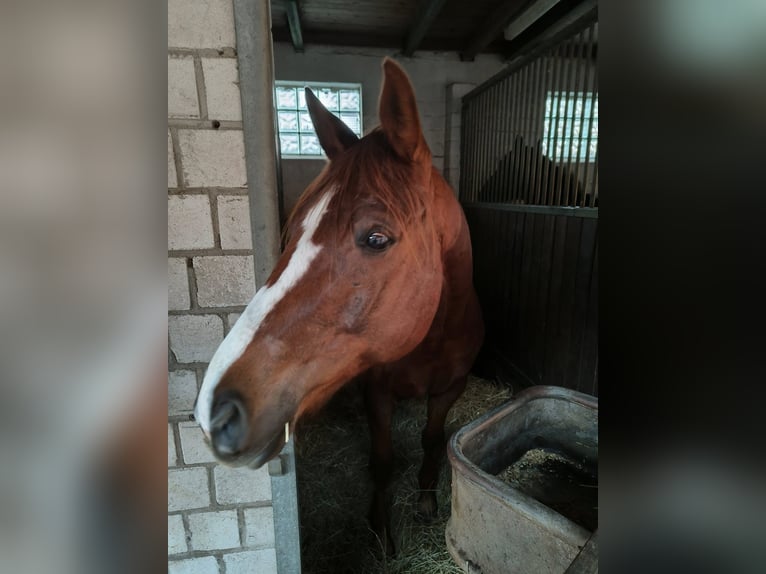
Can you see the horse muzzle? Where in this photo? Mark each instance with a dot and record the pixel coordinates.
(231, 436)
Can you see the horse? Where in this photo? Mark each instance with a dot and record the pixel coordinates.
(374, 285)
(524, 170)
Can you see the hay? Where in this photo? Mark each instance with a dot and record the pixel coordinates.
(335, 489)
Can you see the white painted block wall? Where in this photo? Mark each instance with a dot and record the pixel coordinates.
(431, 74)
(219, 519)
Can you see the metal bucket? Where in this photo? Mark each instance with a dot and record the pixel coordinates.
(495, 528)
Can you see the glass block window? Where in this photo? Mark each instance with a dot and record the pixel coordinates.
(569, 118)
(296, 133)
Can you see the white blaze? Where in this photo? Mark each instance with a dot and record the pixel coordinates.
(265, 299)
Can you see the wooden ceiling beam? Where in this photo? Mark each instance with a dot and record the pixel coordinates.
(362, 39)
(490, 28)
(531, 14)
(294, 23)
(429, 10)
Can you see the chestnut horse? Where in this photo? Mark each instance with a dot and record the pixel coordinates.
(375, 282)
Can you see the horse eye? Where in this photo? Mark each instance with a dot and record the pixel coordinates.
(377, 241)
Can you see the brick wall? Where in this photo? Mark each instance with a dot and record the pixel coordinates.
(219, 519)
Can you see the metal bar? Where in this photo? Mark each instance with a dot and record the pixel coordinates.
(524, 106)
(594, 189)
(477, 145)
(294, 23)
(571, 183)
(588, 212)
(517, 149)
(492, 134)
(594, 100)
(423, 21)
(482, 138)
(561, 185)
(554, 194)
(518, 186)
(463, 191)
(467, 170)
(582, 165)
(549, 144)
(528, 113)
(542, 82)
(507, 185)
(476, 111)
(529, 155)
(508, 86)
(489, 134)
(572, 179)
(501, 137)
(480, 141)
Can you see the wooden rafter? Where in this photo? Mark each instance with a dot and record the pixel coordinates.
(428, 12)
(294, 22)
(491, 28)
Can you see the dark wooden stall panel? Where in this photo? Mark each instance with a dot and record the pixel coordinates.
(537, 278)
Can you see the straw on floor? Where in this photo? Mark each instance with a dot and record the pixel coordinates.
(334, 486)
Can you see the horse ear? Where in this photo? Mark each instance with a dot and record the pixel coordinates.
(334, 136)
(398, 113)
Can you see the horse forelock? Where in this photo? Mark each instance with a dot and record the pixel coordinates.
(368, 170)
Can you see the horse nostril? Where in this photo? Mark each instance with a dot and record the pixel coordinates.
(228, 426)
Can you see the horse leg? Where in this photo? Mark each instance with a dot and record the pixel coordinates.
(379, 404)
(434, 443)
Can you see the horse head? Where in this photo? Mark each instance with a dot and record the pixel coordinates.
(358, 283)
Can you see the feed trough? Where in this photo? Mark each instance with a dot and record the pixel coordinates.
(524, 484)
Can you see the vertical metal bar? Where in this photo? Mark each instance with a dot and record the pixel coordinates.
(561, 194)
(508, 175)
(551, 147)
(463, 193)
(500, 110)
(508, 186)
(474, 151)
(518, 95)
(502, 180)
(594, 189)
(571, 180)
(539, 119)
(492, 132)
(594, 100)
(466, 151)
(521, 184)
(532, 103)
(557, 140)
(471, 148)
(582, 164)
(484, 133)
(507, 139)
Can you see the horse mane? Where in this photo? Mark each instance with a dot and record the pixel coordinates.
(368, 168)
